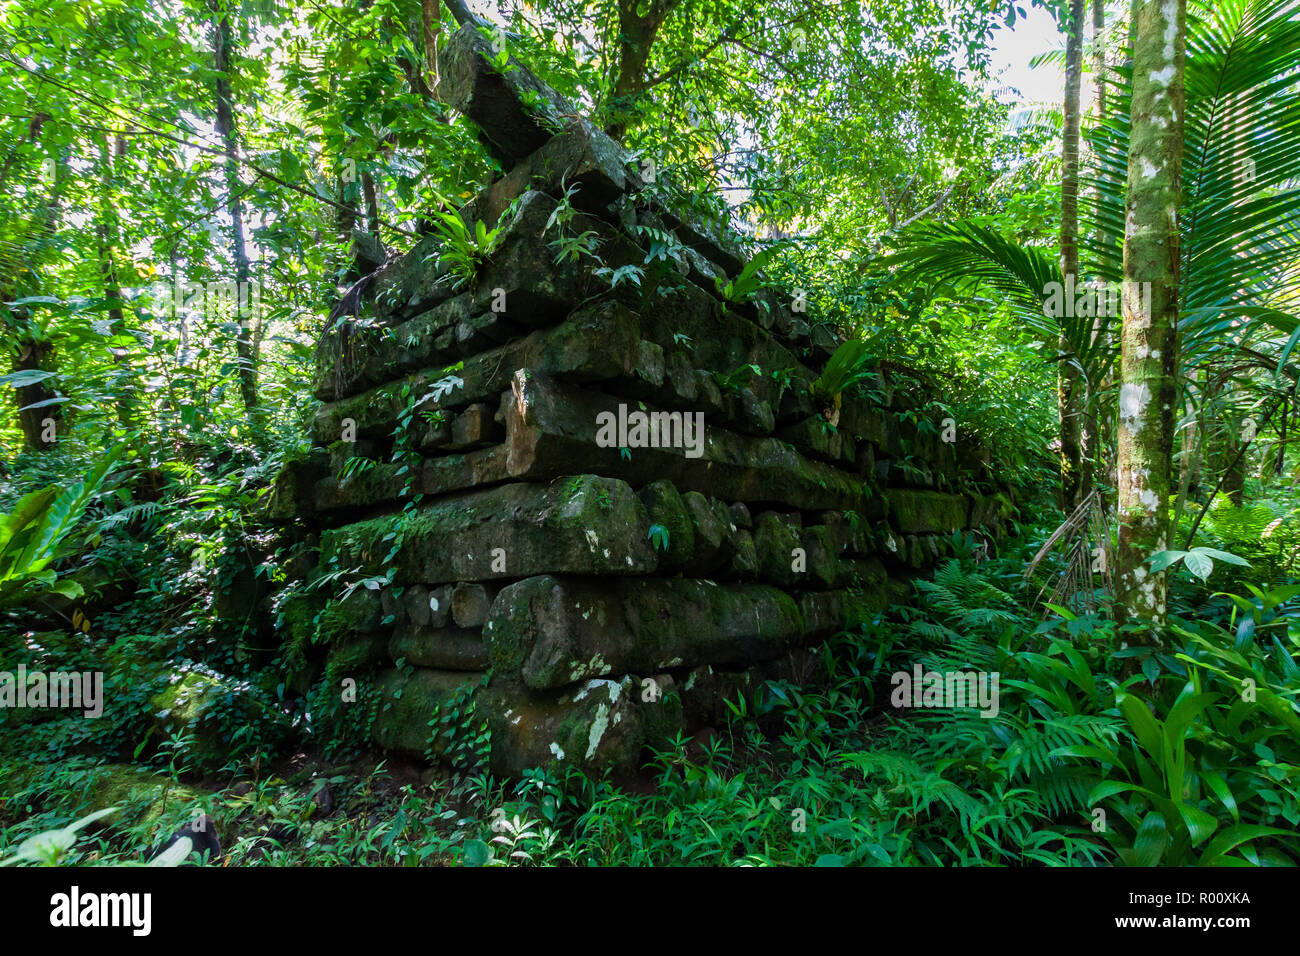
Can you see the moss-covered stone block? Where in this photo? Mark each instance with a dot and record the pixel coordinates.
(410, 699)
(914, 511)
(547, 632)
(582, 525)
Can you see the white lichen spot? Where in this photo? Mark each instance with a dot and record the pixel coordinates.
(1170, 11)
(612, 688)
(598, 727)
(1163, 77)
(1134, 397)
(1149, 169)
(592, 541)
(557, 750)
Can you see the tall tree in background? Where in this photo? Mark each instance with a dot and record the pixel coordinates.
(1099, 40)
(223, 53)
(1149, 340)
(1095, 443)
(108, 235)
(32, 349)
(1070, 383)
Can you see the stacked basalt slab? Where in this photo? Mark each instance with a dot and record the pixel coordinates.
(594, 598)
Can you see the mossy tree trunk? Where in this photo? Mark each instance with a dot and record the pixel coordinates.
(1149, 341)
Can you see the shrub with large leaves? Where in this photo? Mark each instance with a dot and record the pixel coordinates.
(32, 536)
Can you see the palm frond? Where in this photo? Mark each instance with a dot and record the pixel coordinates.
(967, 258)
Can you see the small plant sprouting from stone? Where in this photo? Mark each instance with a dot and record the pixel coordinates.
(444, 386)
(847, 367)
(573, 248)
(629, 273)
(735, 380)
(743, 287)
(354, 466)
(463, 250)
(658, 537)
(570, 247)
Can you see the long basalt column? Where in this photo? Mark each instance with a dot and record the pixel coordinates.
(568, 502)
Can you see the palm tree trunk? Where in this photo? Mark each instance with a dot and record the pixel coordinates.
(1094, 442)
(1149, 342)
(1070, 384)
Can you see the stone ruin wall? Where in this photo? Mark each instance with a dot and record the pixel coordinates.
(552, 576)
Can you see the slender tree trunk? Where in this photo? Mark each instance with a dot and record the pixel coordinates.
(430, 27)
(1149, 343)
(345, 218)
(32, 351)
(1070, 385)
(372, 203)
(1187, 455)
(1279, 464)
(109, 236)
(346, 190)
(1093, 440)
(223, 53)
(1231, 463)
